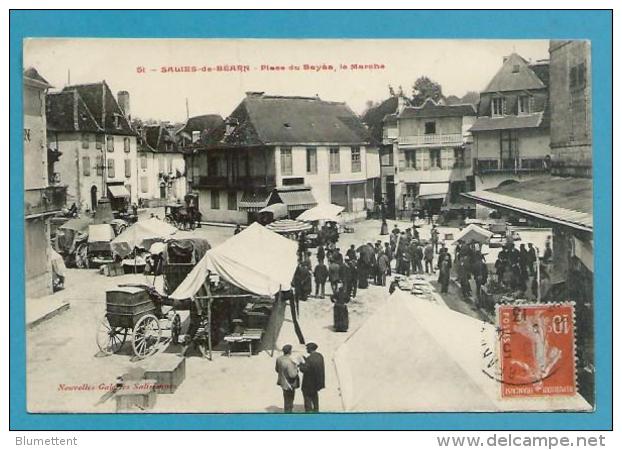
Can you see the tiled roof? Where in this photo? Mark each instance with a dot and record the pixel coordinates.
(210, 126)
(507, 122)
(66, 111)
(34, 75)
(507, 79)
(102, 106)
(567, 201)
(265, 119)
(430, 109)
(155, 137)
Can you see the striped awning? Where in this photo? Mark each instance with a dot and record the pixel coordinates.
(254, 200)
(288, 226)
(297, 199)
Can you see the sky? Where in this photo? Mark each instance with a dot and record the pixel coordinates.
(136, 65)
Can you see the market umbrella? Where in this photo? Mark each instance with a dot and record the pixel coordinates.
(142, 234)
(288, 226)
(326, 211)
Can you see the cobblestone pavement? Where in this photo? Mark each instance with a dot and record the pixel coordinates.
(66, 373)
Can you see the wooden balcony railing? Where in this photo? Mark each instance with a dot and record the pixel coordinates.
(431, 139)
(235, 182)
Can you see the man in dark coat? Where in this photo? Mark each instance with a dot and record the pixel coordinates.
(313, 378)
(320, 274)
(532, 258)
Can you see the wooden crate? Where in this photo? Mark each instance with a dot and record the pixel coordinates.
(168, 370)
(126, 305)
(136, 395)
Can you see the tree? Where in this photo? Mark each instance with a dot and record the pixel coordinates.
(425, 88)
(471, 97)
(453, 100)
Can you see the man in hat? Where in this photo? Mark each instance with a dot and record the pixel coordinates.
(313, 379)
(287, 377)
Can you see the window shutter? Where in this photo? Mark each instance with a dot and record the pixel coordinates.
(401, 159)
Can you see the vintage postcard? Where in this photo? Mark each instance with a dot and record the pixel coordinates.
(285, 226)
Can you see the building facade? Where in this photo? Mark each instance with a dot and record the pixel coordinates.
(571, 108)
(43, 197)
(563, 200)
(297, 150)
(433, 154)
(97, 146)
(161, 167)
(511, 134)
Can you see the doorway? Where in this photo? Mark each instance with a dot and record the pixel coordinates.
(93, 198)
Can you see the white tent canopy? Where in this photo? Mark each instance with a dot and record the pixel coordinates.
(142, 234)
(327, 211)
(256, 260)
(412, 355)
(473, 233)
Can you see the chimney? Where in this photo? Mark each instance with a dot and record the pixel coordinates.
(255, 94)
(401, 103)
(505, 58)
(123, 98)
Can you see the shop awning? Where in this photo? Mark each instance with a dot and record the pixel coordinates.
(118, 191)
(297, 199)
(254, 200)
(429, 191)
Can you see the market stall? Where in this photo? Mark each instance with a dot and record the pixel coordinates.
(253, 267)
(435, 360)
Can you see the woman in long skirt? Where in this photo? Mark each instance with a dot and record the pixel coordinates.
(340, 299)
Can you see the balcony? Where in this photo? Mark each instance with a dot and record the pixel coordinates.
(524, 166)
(243, 182)
(48, 200)
(431, 140)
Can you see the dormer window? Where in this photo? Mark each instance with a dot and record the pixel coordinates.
(195, 136)
(523, 104)
(498, 106)
(515, 68)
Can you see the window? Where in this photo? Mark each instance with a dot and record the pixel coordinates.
(85, 140)
(111, 168)
(435, 158)
(169, 165)
(232, 201)
(498, 106)
(430, 128)
(215, 197)
(311, 160)
(143, 162)
(356, 159)
(126, 145)
(196, 135)
(99, 141)
(410, 158)
(86, 166)
(515, 68)
(99, 165)
(577, 76)
(128, 168)
(533, 164)
(485, 165)
(144, 184)
(509, 149)
(523, 104)
(334, 160)
(286, 161)
(110, 143)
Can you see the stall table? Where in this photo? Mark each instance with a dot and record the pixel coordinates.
(247, 336)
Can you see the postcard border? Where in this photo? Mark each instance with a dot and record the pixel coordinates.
(595, 25)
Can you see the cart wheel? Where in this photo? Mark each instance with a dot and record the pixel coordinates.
(82, 256)
(168, 219)
(146, 336)
(110, 339)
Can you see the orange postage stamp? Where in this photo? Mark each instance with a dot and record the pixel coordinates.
(537, 350)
